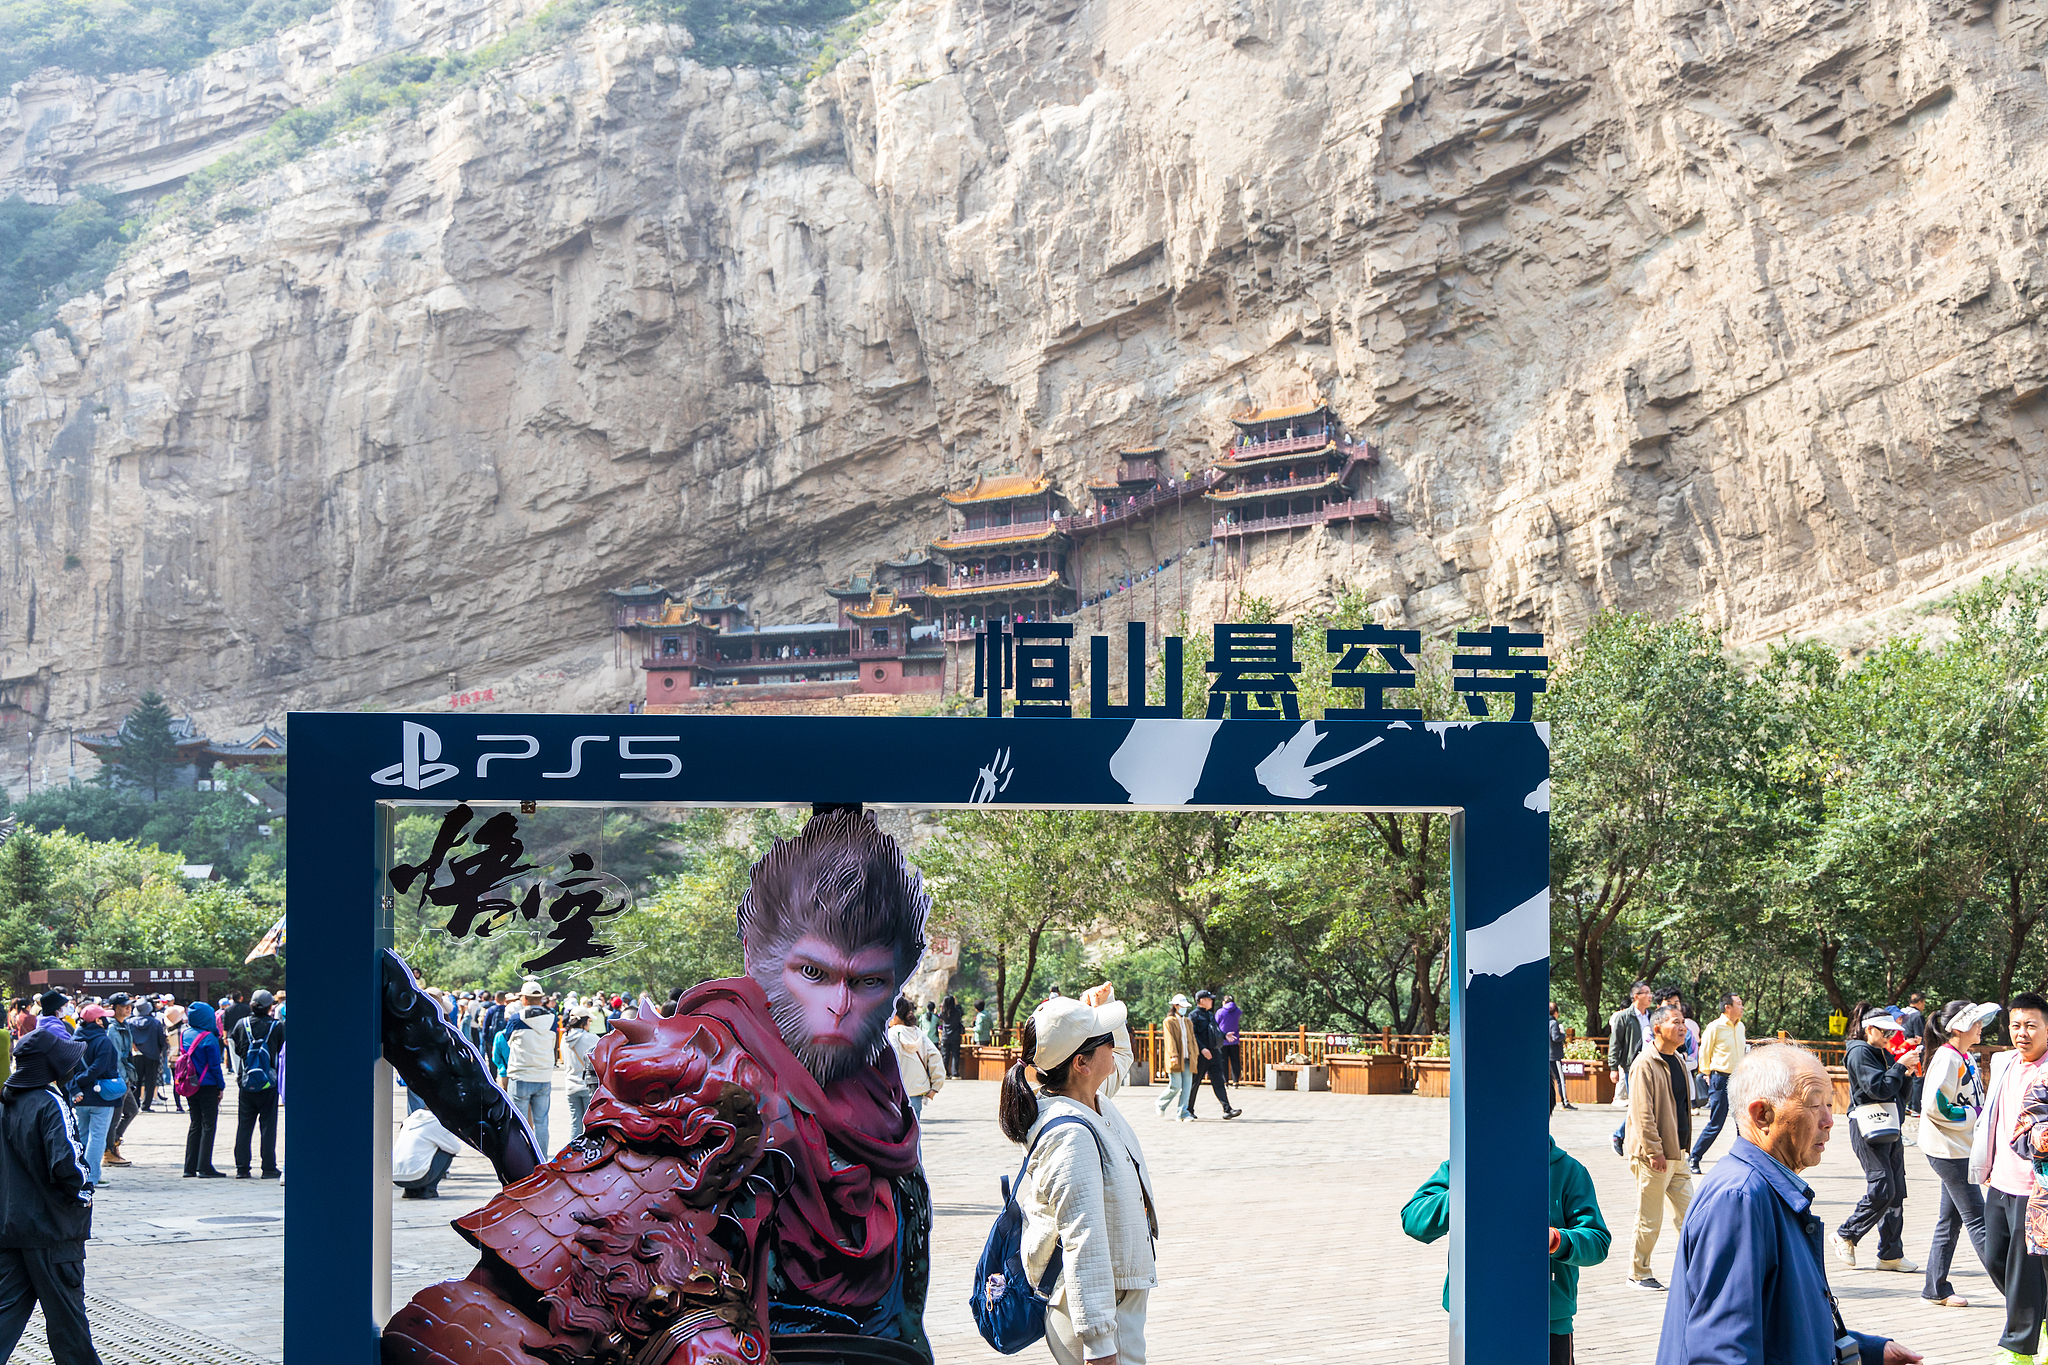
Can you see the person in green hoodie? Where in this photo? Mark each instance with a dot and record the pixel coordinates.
(1578, 1236)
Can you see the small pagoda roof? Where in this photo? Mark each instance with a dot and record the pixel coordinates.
(882, 606)
(265, 744)
(916, 559)
(997, 488)
(716, 600)
(185, 737)
(1139, 452)
(1265, 415)
(855, 587)
(639, 592)
(673, 613)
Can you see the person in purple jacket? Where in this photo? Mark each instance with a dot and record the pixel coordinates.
(1227, 1021)
(203, 1040)
(1751, 1286)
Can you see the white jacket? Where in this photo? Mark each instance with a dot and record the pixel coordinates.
(1980, 1141)
(1941, 1136)
(530, 1048)
(419, 1137)
(924, 1071)
(1099, 1214)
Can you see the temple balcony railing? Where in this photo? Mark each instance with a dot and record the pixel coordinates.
(1015, 529)
(1083, 522)
(1363, 509)
(1287, 445)
(668, 661)
(878, 651)
(996, 580)
(1279, 485)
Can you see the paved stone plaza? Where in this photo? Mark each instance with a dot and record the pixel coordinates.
(1281, 1242)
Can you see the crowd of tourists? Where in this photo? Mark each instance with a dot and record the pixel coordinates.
(78, 1072)
(1750, 1278)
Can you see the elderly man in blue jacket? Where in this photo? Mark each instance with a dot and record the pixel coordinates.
(1750, 1285)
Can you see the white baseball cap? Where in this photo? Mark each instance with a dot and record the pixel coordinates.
(1063, 1023)
(1181, 1000)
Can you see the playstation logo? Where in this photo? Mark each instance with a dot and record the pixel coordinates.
(417, 770)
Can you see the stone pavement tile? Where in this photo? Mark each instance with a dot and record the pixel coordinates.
(1281, 1237)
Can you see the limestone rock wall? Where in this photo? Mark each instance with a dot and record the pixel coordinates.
(1654, 303)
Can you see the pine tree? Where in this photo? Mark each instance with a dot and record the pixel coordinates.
(24, 873)
(149, 755)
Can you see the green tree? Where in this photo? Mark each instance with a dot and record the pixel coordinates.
(26, 942)
(1018, 880)
(148, 756)
(1658, 755)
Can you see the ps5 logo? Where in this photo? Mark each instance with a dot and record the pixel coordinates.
(417, 770)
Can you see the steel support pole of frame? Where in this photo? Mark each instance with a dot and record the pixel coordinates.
(1500, 1103)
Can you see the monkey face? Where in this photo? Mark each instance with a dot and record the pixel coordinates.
(831, 1005)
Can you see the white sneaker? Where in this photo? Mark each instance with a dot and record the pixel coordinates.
(1845, 1250)
(1902, 1264)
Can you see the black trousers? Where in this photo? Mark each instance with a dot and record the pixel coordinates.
(428, 1186)
(150, 1068)
(951, 1052)
(1561, 1349)
(254, 1106)
(204, 1106)
(1212, 1067)
(55, 1278)
(2023, 1279)
(1883, 1205)
(1233, 1061)
(124, 1114)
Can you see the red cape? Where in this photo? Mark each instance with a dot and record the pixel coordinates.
(835, 1231)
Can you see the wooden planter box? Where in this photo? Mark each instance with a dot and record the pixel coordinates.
(1379, 1074)
(1433, 1077)
(1587, 1083)
(986, 1063)
(1840, 1076)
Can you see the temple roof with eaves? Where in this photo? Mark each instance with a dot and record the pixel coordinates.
(1265, 416)
(998, 488)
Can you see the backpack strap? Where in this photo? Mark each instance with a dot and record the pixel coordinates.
(1011, 1190)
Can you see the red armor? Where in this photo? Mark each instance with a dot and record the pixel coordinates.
(705, 1146)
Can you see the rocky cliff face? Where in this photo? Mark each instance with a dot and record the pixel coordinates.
(1680, 306)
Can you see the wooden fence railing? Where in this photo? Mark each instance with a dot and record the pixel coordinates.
(1831, 1051)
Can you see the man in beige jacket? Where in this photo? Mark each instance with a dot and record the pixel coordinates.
(1657, 1138)
(1177, 1033)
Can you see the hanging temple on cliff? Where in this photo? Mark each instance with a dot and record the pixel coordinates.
(1020, 551)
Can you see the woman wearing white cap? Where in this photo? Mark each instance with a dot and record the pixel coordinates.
(1878, 1087)
(1088, 1194)
(1951, 1100)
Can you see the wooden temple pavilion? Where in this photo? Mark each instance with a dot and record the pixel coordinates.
(264, 750)
(1288, 467)
(707, 649)
(1007, 558)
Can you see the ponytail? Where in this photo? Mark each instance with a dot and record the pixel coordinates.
(1017, 1109)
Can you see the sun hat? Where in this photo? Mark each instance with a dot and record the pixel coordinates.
(1879, 1019)
(1063, 1023)
(1971, 1016)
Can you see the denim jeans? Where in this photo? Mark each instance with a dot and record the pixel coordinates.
(531, 1099)
(579, 1100)
(1962, 1210)
(1179, 1087)
(93, 1122)
(1717, 1114)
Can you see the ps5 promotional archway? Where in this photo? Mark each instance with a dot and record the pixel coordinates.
(736, 1181)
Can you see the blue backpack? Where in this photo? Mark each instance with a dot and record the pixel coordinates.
(259, 1069)
(1008, 1308)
